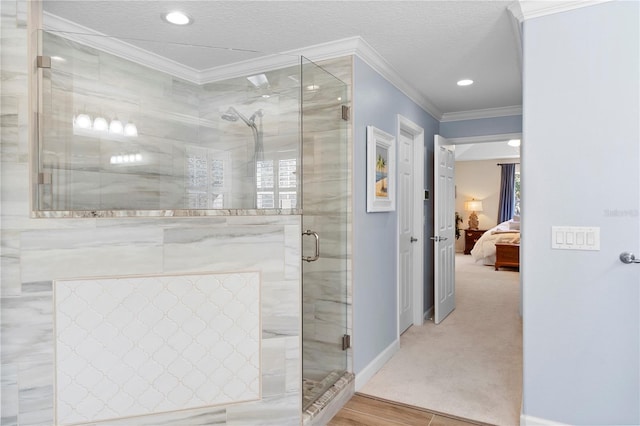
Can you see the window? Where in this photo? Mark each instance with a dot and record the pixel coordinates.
(276, 184)
(207, 178)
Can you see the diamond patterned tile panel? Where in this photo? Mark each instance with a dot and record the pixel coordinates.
(132, 346)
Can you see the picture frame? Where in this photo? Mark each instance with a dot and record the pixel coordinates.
(381, 171)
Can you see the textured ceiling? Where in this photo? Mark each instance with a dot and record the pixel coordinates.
(430, 44)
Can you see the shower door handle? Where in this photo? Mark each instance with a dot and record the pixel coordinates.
(317, 254)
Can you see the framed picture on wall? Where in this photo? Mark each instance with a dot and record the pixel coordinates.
(381, 171)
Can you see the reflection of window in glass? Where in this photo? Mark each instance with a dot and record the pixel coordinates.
(207, 179)
(280, 192)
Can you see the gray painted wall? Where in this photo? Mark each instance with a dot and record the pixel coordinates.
(580, 167)
(377, 102)
(481, 126)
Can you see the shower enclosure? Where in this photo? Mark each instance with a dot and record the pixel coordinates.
(119, 137)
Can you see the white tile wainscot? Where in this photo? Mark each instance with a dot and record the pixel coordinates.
(139, 345)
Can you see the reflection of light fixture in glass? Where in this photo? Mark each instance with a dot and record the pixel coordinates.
(177, 18)
(126, 159)
(514, 142)
(85, 126)
(130, 129)
(115, 127)
(82, 121)
(473, 206)
(313, 87)
(100, 124)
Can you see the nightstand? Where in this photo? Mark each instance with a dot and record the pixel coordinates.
(470, 238)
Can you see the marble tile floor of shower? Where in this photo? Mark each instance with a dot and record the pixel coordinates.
(333, 394)
(313, 390)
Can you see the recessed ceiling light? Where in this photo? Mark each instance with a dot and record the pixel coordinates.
(514, 142)
(465, 82)
(178, 18)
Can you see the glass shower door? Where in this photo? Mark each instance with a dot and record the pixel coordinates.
(324, 206)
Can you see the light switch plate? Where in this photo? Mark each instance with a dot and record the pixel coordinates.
(575, 238)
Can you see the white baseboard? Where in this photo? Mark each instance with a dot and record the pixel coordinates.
(370, 370)
(526, 420)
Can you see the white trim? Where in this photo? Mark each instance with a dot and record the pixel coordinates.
(356, 46)
(534, 9)
(372, 58)
(516, 25)
(318, 52)
(526, 420)
(482, 139)
(89, 37)
(417, 135)
(482, 113)
(330, 50)
(370, 370)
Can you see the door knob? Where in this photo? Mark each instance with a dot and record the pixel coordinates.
(627, 257)
(413, 240)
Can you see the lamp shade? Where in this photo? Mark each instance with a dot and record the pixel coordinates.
(473, 206)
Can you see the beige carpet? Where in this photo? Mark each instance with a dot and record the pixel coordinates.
(470, 365)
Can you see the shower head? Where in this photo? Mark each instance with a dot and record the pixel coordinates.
(233, 114)
(258, 113)
(230, 115)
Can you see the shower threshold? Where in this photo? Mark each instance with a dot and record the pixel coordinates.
(321, 396)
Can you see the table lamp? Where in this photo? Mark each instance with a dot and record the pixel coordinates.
(473, 206)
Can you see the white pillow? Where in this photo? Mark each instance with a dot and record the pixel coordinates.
(514, 226)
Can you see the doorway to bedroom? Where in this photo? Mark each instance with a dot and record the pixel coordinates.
(469, 365)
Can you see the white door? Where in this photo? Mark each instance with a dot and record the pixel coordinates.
(444, 228)
(406, 238)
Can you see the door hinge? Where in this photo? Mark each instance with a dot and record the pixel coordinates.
(346, 342)
(346, 112)
(43, 61)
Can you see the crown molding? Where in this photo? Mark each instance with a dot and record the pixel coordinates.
(482, 113)
(528, 9)
(501, 137)
(319, 52)
(369, 55)
(352, 46)
(92, 38)
(330, 50)
(355, 46)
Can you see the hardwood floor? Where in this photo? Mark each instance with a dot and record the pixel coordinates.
(365, 410)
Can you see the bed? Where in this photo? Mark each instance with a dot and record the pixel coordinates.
(504, 233)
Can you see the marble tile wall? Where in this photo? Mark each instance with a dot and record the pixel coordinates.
(170, 115)
(34, 252)
(326, 151)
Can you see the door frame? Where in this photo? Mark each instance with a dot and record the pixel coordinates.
(491, 138)
(417, 134)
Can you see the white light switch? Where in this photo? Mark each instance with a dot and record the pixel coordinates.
(575, 237)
